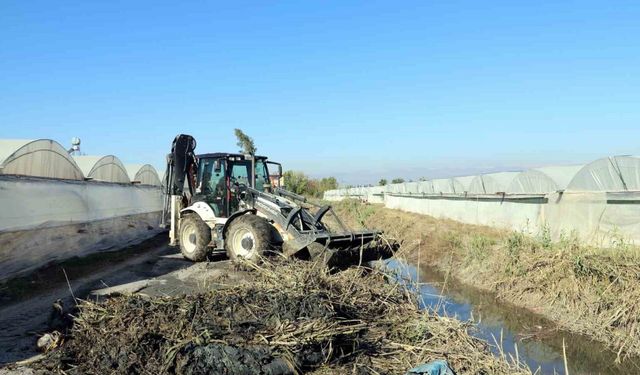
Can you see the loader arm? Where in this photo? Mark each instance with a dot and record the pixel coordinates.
(302, 229)
(181, 167)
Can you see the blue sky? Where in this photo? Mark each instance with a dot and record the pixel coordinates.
(359, 90)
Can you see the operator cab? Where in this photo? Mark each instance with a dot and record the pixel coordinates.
(221, 176)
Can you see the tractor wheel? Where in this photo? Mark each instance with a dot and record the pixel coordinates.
(195, 237)
(248, 237)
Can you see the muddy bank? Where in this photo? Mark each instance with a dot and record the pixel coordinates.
(587, 290)
(287, 317)
(537, 341)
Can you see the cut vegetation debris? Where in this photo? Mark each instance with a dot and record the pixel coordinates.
(292, 317)
(584, 289)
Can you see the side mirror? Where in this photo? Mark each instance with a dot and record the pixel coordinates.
(217, 167)
(275, 178)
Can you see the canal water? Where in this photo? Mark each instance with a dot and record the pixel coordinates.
(538, 341)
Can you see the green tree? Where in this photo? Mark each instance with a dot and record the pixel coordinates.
(382, 182)
(299, 183)
(245, 142)
(398, 180)
(327, 183)
(296, 182)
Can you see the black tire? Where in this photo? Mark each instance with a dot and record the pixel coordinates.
(249, 237)
(195, 236)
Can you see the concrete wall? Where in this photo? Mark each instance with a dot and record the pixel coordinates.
(42, 220)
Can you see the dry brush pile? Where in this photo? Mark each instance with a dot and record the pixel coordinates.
(292, 318)
(585, 289)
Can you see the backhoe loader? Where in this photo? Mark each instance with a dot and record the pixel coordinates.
(229, 202)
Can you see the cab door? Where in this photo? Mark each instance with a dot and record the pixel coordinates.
(212, 186)
(239, 174)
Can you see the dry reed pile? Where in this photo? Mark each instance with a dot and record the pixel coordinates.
(293, 317)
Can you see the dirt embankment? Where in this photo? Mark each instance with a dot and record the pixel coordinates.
(289, 317)
(584, 289)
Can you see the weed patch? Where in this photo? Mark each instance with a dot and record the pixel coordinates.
(594, 291)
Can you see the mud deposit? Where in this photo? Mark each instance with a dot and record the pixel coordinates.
(292, 317)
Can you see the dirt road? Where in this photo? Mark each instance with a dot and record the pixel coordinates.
(151, 268)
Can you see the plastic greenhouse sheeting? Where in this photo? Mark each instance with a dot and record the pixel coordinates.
(445, 186)
(598, 202)
(463, 183)
(425, 187)
(586, 215)
(491, 183)
(543, 180)
(37, 158)
(103, 168)
(44, 220)
(511, 215)
(396, 188)
(615, 173)
(374, 194)
(145, 174)
(412, 187)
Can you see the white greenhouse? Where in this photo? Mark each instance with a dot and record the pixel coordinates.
(461, 184)
(37, 158)
(144, 174)
(442, 186)
(412, 187)
(543, 180)
(491, 183)
(448, 186)
(425, 187)
(614, 173)
(103, 168)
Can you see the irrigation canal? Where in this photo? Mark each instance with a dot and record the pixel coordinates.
(513, 331)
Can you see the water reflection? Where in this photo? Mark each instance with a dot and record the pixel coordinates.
(538, 341)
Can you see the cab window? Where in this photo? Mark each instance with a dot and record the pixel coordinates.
(262, 176)
(240, 173)
(210, 179)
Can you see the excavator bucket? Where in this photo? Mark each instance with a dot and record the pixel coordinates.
(305, 233)
(344, 249)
